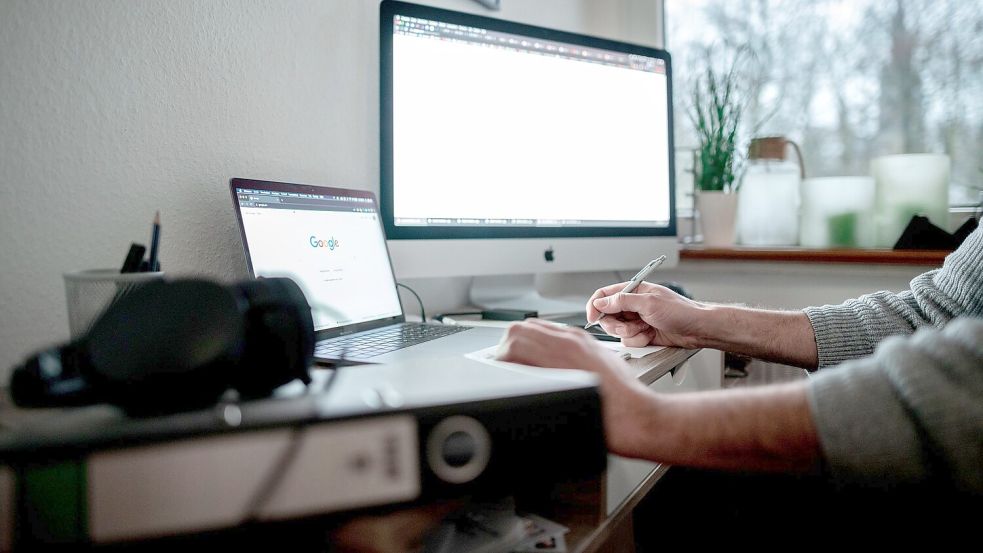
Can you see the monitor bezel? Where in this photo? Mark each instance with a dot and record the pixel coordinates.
(390, 8)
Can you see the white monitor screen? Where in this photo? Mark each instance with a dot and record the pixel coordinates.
(497, 129)
(332, 246)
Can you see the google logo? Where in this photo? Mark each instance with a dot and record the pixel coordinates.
(331, 244)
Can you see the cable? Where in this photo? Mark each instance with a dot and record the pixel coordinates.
(281, 466)
(274, 477)
(423, 314)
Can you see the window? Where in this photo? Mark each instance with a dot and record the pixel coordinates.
(847, 79)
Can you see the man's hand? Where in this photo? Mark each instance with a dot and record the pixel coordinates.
(542, 344)
(652, 314)
(656, 315)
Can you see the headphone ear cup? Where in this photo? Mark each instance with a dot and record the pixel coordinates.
(55, 377)
(167, 346)
(176, 346)
(279, 336)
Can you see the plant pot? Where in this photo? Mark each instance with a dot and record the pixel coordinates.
(718, 212)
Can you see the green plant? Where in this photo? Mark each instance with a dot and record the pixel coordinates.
(716, 114)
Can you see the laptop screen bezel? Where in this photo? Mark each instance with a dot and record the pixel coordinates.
(327, 191)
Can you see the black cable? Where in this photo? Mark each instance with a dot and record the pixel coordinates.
(274, 478)
(423, 314)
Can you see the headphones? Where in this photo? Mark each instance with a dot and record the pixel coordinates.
(178, 345)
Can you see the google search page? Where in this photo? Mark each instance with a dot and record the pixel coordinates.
(338, 258)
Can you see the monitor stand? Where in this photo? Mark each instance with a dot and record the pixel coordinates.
(519, 292)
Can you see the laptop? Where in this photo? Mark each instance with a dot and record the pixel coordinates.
(331, 242)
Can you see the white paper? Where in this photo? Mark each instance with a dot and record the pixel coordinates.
(635, 352)
(542, 535)
(489, 355)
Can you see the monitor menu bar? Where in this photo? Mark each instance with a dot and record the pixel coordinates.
(465, 222)
(415, 26)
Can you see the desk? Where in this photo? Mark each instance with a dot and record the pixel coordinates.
(597, 511)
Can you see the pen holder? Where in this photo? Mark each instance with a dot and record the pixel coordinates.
(89, 293)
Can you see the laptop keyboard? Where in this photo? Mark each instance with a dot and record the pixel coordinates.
(384, 340)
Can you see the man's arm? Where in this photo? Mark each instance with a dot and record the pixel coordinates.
(912, 412)
(659, 316)
(768, 429)
(814, 337)
(764, 429)
(779, 336)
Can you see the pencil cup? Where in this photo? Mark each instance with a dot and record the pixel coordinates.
(89, 293)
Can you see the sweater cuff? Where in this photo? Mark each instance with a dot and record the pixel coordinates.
(838, 334)
(856, 412)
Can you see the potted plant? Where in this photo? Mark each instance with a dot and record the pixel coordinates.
(716, 113)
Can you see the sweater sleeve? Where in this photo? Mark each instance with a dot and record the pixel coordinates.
(854, 328)
(911, 413)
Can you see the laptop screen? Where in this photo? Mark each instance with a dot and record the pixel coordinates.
(329, 242)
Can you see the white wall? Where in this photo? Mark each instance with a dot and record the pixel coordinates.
(110, 110)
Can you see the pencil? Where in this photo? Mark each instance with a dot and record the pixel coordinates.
(152, 263)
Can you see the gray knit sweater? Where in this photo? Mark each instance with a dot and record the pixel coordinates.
(912, 412)
(854, 328)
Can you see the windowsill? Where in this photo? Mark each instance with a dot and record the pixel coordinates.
(810, 255)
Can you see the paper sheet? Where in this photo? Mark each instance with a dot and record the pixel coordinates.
(490, 354)
(635, 352)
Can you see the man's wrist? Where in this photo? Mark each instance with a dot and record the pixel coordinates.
(637, 428)
(715, 326)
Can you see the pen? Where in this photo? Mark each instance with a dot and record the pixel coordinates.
(634, 282)
(152, 263)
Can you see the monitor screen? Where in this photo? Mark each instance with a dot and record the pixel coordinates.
(329, 242)
(495, 129)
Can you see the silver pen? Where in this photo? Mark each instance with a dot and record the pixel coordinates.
(633, 283)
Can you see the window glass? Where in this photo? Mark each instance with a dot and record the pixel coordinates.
(847, 79)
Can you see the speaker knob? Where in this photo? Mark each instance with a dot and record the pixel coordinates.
(458, 449)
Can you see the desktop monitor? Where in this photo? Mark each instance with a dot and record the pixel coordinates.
(512, 149)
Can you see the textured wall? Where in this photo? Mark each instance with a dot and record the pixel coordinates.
(110, 110)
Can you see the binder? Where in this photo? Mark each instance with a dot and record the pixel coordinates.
(365, 437)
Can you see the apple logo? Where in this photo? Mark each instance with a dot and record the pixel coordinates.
(548, 254)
